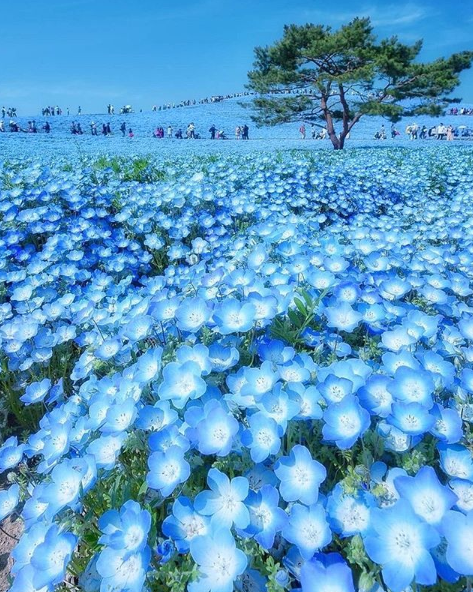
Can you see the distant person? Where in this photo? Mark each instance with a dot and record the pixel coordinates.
(67, 111)
(245, 132)
(130, 133)
(450, 133)
(47, 127)
(302, 131)
(191, 131)
(79, 110)
(212, 130)
(79, 129)
(3, 112)
(109, 129)
(237, 132)
(123, 129)
(104, 129)
(2, 129)
(169, 131)
(178, 134)
(93, 128)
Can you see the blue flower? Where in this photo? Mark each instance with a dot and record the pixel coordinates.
(36, 392)
(225, 502)
(427, 496)
(9, 499)
(181, 382)
(456, 461)
(458, 530)
(300, 476)
(233, 316)
(412, 386)
(342, 317)
(349, 514)
(192, 314)
(121, 571)
(412, 418)
(216, 430)
(308, 529)
(11, 453)
(219, 561)
(263, 437)
(400, 543)
(345, 422)
(51, 557)
(266, 518)
(126, 530)
(326, 573)
(185, 524)
(167, 470)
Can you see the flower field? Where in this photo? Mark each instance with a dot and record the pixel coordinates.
(243, 371)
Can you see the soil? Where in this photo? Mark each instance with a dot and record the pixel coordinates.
(13, 528)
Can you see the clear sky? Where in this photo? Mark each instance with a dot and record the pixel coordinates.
(145, 52)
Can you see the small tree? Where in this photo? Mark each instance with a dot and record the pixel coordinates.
(324, 77)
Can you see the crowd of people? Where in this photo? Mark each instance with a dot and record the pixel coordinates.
(461, 111)
(415, 131)
(8, 112)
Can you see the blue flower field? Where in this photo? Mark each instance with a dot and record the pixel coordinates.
(236, 366)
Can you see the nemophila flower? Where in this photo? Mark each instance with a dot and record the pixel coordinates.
(219, 561)
(342, 317)
(263, 437)
(294, 371)
(448, 426)
(278, 406)
(275, 351)
(334, 388)
(24, 581)
(106, 449)
(442, 371)
(456, 461)
(375, 396)
(308, 399)
(64, 489)
(347, 292)
(411, 418)
(192, 314)
(119, 417)
(127, 529)
(464, 492)
(345, 422)
(397, 339)
(165, 551)
(352, 369)
(394, 289)
(349, 514)
(36, 392)
(258, 381)
(395, 439)
(458, 531)
(198, 354)
(29, 540)
(138, 327)
(266, 307)
(164, 310)
(167, 470)
(170, 436)
(11, 453)
(181, 382)
(156, 417)
(308, 529)
(429, 499)
(465, 326)
(108, 348)
(225, 500)
(300, 476)
(266, 518)
(400, 542)
(120, 571)
(412, 386)
(222, 357)
(234, 316)
(216, 430)
(9, 499)
(326, 573)
(34, 509)
(185, 524)
(51, 557)
(56, 443)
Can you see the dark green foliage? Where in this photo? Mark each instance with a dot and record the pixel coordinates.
(336, 77)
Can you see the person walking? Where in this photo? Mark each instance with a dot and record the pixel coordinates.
(245, 132)
(237, 132)
(450, 133)
(191, 131)
(123, 129)
(302, 131)
(169, 131)
(212, 131)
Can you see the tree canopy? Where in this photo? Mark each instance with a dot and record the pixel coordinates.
(333, 78)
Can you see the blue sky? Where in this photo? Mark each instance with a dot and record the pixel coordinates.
(145, 52)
